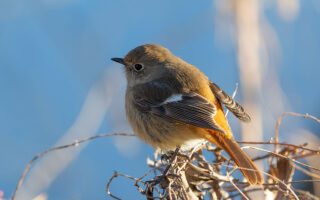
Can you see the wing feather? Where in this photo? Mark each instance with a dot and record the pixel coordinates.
(192, 108)
(230, 103)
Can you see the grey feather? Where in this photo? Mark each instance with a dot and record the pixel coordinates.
(193, 109)
(230, 103)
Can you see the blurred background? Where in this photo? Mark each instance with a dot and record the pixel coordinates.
(57, 82)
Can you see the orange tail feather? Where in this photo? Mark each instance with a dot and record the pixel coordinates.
(232, 148)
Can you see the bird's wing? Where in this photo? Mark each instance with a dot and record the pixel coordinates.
(230, 103)
(187, 108)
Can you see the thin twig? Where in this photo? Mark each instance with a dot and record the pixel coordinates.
(276, 136)
(248, 191)
(235, 186)
(186, 187)
(173, 158)
(209, 173)
(76, 143)
(304, 181)
(307, 195)
(196, 148)
(146, 174)
(311, 174)
(108, 185)
(233, 95)
(282, 156)
(115, 175)
(317, 152)
(306, 155)
(206, 176)
(270, 175)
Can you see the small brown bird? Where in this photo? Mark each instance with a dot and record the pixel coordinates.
(170, 104)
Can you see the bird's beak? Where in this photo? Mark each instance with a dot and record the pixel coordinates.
(118, 60)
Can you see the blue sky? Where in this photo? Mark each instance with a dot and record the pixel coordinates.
(52, 53)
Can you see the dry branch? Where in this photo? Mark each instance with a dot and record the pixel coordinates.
(192, 176)
(76, 143)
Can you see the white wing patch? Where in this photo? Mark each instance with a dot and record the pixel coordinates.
(173, 98)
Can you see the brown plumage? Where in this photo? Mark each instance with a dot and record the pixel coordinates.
(170, 103)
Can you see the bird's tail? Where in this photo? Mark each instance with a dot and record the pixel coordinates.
(247, 167)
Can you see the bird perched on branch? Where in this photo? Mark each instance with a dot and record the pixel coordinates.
(170, 104)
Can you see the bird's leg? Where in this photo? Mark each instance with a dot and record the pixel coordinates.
(164, 175)
(173, 157)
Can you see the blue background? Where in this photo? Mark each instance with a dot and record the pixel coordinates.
(53, 52)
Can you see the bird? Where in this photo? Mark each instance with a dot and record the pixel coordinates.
(171, 103)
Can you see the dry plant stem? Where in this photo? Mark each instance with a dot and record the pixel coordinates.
(180, 188)
(317, 152)
(108, 185)
(279, 121)
(306, 155)
(304, 181)
(76, 143)
(248, 191)
(279, 155)
(115, 175)
(146, 174)
(233, 95)
(190, 195)
(172, 192)
(261, 157)
(294, 151)
(209, 174)
(196, 148)
(173, 158)
(309, 196)
(313, 175)
(275, 178)
(235, 186)
(149, 196)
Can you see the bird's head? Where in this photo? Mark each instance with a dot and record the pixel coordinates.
(146, 63)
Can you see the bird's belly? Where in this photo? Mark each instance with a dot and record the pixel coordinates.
(161, 133)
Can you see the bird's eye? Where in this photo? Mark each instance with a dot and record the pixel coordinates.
(138, 67)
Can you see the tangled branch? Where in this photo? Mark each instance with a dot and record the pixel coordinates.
(192, 176)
